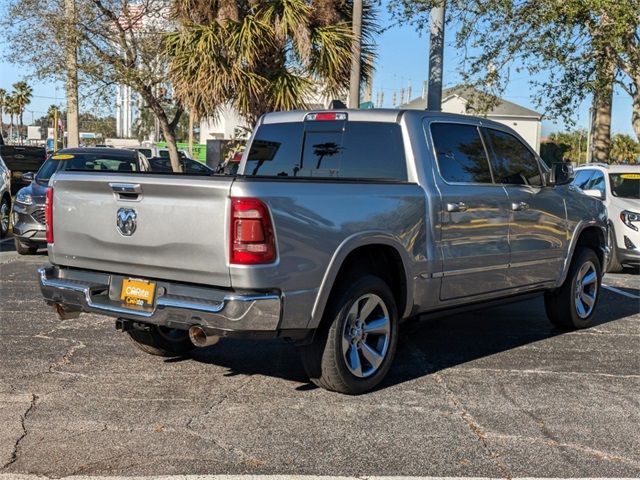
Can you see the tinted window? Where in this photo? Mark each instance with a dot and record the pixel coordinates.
(460, 153)
(582, 179)
(368, 150)
(512, 162)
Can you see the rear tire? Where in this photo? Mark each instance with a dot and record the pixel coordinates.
(354, 347)
(24, 249)
(161, 341)
(5, 215)
(574, 303)
(614, 264)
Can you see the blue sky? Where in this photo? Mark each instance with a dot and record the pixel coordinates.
(402, 61)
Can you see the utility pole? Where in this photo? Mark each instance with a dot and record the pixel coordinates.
(73, 137)
(436, 53)
(55, 130)
(354, 81)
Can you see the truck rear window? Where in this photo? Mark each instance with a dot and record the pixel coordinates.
(341, 149)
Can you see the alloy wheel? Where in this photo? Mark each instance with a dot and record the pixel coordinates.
(586, 290)
(365, 336)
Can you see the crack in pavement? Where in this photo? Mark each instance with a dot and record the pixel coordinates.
(471, 423)
(230, 449)
(571, 446)
(23, 419)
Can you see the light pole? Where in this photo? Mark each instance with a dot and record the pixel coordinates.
(354, 81)
(436, 54)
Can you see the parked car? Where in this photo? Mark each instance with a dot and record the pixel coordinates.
(189, 166)
(231, 165)
(152, 152)
(618, 186)
(338, 225)
(29, 209)
(20, 159)
(5, 198)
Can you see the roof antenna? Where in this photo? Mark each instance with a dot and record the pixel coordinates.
(336, 105)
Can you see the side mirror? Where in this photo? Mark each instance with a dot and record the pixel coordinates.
(28, 177)
(561, 173)
(594, 193)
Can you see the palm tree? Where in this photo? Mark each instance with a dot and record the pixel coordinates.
(13, 109)
(22, 93)
(264, 55)
(624, 148)
(3, 103)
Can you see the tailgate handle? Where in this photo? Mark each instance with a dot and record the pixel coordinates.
(126, 191)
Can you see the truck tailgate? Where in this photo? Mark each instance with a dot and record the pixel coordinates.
(180, 225)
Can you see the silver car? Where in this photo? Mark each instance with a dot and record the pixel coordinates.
(338, 226)
(5, 198)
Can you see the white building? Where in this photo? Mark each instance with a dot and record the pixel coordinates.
(126, 113)
(460, 99)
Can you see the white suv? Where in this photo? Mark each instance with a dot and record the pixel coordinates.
(618, 186)
(5, 198)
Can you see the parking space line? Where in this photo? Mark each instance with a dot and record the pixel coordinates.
(621, 292)
(5, 476)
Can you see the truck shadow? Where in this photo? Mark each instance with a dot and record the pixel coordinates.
(426, 346)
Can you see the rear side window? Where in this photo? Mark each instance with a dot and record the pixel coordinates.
(327, 149)
(512, 162)
(460, 153)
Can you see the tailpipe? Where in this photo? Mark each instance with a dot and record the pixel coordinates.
(199, 337)
(66, 313)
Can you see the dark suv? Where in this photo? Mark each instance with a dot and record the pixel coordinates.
(28, 211)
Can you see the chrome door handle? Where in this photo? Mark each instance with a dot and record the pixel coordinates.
(519, 206)
(457, 207)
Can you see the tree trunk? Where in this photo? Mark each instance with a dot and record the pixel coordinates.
(165, 126)
(73, 135)
(635, 115)
(602, 103)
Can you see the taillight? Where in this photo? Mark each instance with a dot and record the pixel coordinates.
(48, 214)
(325, 116)
(252, 240)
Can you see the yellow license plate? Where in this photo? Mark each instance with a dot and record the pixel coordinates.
(137, 292)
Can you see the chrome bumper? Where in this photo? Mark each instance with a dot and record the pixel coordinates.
(176, 306)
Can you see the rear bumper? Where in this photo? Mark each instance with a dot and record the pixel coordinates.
(177, 306)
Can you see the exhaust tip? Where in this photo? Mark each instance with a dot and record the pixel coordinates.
(199, 337)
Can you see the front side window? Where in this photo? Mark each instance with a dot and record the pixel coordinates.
(581, 180)
(512, 162)
(460, 153)
(597, 182)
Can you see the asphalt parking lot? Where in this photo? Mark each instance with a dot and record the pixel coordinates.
(494, 393)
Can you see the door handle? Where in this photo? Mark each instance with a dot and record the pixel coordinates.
(519, 206)
(457, 207)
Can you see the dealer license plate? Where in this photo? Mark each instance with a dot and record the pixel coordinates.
(137, 292)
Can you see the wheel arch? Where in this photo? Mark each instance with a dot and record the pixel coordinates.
(377, 249)
(587, 234)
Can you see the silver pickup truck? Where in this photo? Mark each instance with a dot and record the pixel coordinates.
(339, 225)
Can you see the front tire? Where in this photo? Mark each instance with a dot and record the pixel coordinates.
(161, 341)
(354, 347)
(574, 303)
(24, 249)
